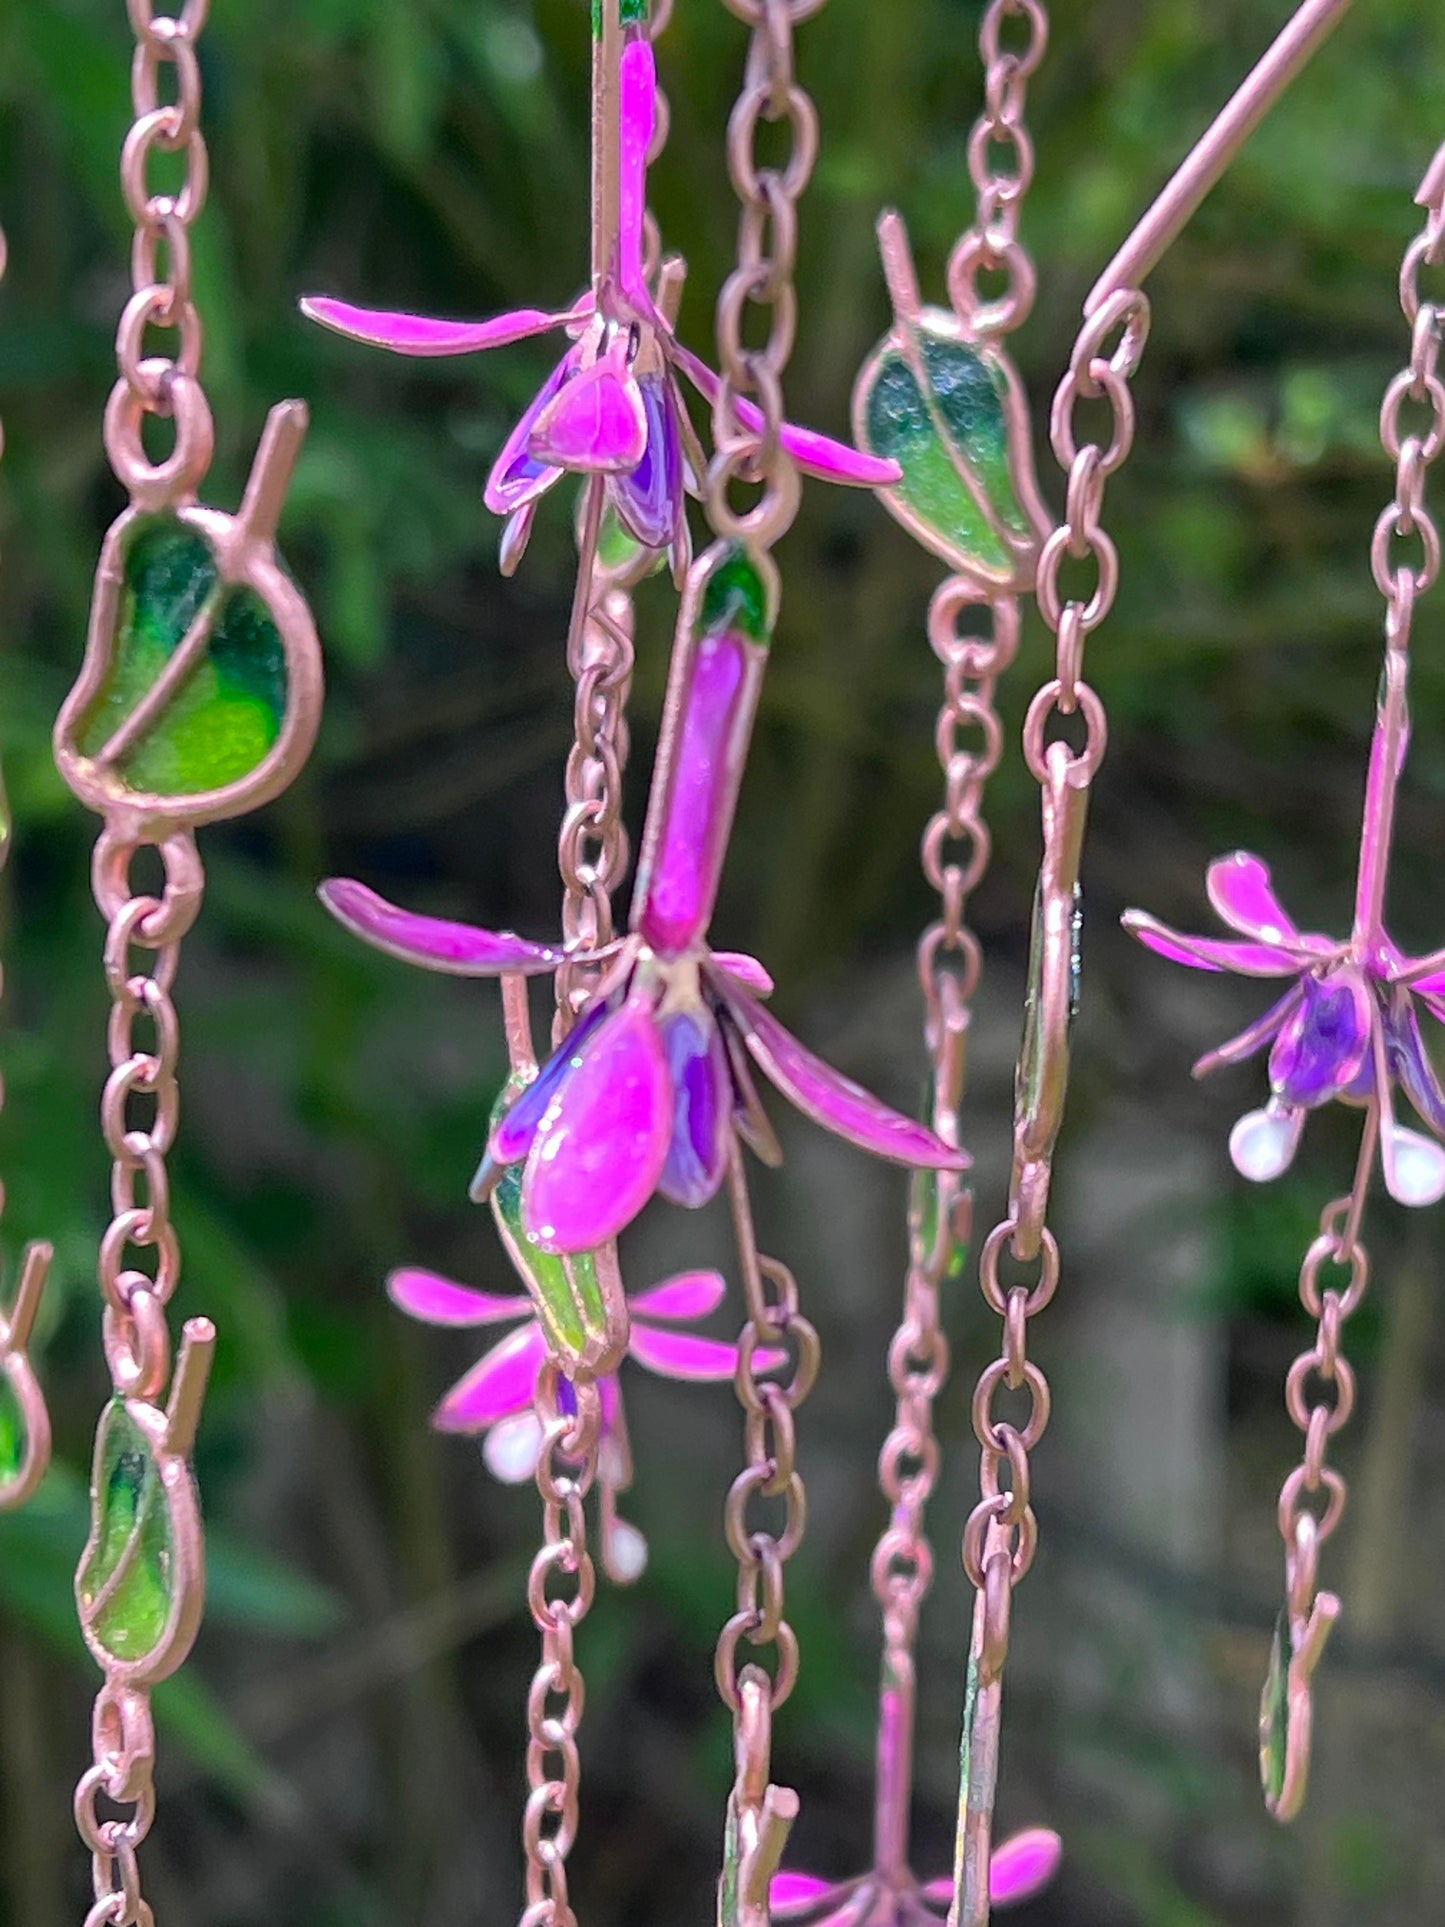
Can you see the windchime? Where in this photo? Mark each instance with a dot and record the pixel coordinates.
(199, 698)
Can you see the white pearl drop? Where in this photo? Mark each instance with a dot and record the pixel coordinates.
(1419, 1173)
(626, 1553)
(511, 1449)
(1263, 1143)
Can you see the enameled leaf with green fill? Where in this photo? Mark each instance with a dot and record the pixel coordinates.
(14, 1433)
(950, 412)
(129, 1578)
(226, 715)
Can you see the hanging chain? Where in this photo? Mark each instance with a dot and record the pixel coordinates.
(1001, 166)
(1286, 1712)
(571, 1423)
(161, 252)
(760, 290)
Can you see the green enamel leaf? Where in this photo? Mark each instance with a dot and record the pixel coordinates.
(730, 1882)
(225, 716)
(1274, 1712)
(14, 1433)
(945, 429)
(928, 1188)
(566, 1291)
(736, 597)
(630, 13)
(125, 1582)
(965, 1766)
(1034, 1065)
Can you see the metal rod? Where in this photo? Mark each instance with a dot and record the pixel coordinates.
(1212, 153)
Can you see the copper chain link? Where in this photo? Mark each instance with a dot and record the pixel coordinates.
(761, 286)
(1002, 1531)
(161, 252)
(1400, 579)
(956, 844)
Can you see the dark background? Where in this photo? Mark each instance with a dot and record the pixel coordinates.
(346, 1745)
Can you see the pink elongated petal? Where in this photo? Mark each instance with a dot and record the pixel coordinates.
(596, 424)
(414, 334)
(518, 479)
(817, 455)
(439, 1301)
(681, 1300)
(675, 1354)
(1023, 1865)
(460, 949)
(1258, 1034)
(1432, 985)
(1240, 889)
(637, 118)
(1214, 953)
(500, 1383)
(835, 1101)
(795, 1893)
(747, 971)
(599, 1151)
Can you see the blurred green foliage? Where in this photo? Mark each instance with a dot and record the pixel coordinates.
(353, 1737)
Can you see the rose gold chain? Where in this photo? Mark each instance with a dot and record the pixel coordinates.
(762, 281)
(1013, 39)
(566, 1469)
(167, 121)
(139, 1269)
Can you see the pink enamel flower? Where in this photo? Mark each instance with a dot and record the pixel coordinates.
(1346, 1028)
(1019, 1869)
(496, 1397)
(612, 406)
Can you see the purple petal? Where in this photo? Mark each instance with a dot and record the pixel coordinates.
(514, 1132)
(595, 424)
(744, 970)
(517, 477)
(499, 1384)
(1322, 1045)
(815, 454)
(682, 1300)
(602, 1146)
(683, 1355)
(1023, 1865)
(435, 943)
(1410, 1061)
(1259, 1033)
(702, 1092)
(795, 1893)
(1431, 985)
(1240, 889)
(835, 1101)
(516, 534)
(414, 334)
(437, 1301)
(1213, 953)
(637, 121)
(648, 497)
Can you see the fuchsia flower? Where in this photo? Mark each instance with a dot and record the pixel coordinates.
(652, 1086)
(495, 1398)
(612, 406)
(1346, 1028)
(1019, 1868)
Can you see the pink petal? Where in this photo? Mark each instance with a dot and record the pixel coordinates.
(1430, 986)
(1023, 1865)
(746, 970)
(815, 454)
(433, 942)
(682, 1300)
(516, 534)
(1212, 953)
(835, 1101)
(595, 424)
(796, 1892)
(675, 1354)
(518, 478)
(1240, 889)
(437, 1301)
(637, 118)
(601, 1147)
(1258, 1034)
(414, 334)
(499, 1384)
